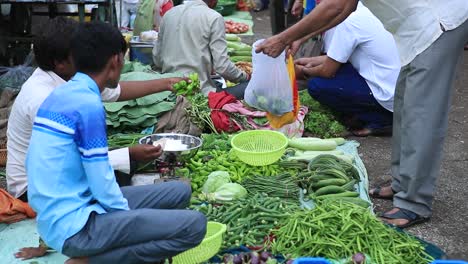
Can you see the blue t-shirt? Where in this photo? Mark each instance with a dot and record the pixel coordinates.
(69, 175)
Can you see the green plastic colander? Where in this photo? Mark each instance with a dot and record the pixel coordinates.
(259, 147)
(207, 248)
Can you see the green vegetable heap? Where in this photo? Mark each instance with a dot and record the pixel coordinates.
(320, 121)
(340, 229)
(251, 220)
(188, 89)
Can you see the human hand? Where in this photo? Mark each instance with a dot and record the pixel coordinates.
(169, 86)
(294, 47)
(272, 46)
(145, 152)
(303, 62)
(299, 70)
(297, 8)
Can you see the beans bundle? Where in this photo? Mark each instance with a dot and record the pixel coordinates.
(336, 230)
(282, 185)
(251, 220)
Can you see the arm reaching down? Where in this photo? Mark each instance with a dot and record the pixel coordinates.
(322, 66)
(221, 62)
(326, 15)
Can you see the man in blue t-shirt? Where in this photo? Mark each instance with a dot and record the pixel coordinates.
(81, 211)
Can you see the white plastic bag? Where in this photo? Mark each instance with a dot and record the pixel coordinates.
(269, 88)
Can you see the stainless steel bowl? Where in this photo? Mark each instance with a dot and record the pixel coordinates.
(193, 143)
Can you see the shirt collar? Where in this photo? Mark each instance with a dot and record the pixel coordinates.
(81, 77)
(196, 2)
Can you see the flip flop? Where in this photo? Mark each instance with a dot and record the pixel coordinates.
(412, 218)
(376, 193)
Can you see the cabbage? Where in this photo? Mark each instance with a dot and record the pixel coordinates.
(215, 180)
(229, 192)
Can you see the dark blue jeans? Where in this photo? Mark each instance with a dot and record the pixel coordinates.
(349, 94)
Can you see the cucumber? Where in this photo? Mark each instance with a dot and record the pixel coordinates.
(312, 144)
(323, 183)
(349, 186)
(321, 177)
(354, 200)
(330, 189)
(233, 37)
(336, 194)
(318, 152)
(339, 141)
(239, 46)
(241, 58)
(336, 173)
(242, 53)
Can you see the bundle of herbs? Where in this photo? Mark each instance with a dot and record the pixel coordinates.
(320, 121)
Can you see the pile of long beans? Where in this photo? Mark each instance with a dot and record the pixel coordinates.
(337, 230)
(282, 185)
(251, 220)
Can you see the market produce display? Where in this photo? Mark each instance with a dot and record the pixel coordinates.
(135, 115)
(251, 220)
(320, 121)
(238, 51)
(245, 66)
(337, 230)
(188, 89)
(283, 186)
(250, 258)
(235, 27)
(216, 155)
(199, 113)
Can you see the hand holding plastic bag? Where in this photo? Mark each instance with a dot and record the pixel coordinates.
(269, 88)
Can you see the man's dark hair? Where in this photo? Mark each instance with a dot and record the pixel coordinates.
(52, 42)
(93, 44)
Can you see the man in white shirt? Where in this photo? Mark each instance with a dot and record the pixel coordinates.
(361, 90)
(430, 36)
(192, 39)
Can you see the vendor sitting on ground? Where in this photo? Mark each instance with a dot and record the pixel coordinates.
(52, 54)
(81, 211)
(192, 39)
(358, 74)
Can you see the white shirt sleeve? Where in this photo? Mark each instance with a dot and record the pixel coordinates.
(111, 95)
(120, 160)
(344, 41)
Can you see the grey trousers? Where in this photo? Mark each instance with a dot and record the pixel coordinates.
(154, 229)
(420, 119)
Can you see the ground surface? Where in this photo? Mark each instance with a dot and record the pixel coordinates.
(448, 227)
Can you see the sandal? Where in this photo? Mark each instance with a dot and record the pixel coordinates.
(375, 193)
(408, 215)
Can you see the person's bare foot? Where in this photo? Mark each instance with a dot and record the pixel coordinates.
(385, 192)
(81, 260)
(363, 132)
(31, 252)
(402, 218)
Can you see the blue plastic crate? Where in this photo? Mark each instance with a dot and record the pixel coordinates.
(142, 54)
(449, 262)
(311, 261)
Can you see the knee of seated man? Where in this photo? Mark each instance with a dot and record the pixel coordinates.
(184, 191)
(198, 227)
